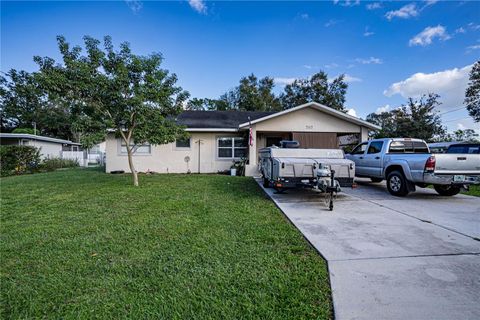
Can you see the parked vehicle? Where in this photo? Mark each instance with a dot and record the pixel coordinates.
(407, 163)
(440, 147)
(461, 148)
(326, 170)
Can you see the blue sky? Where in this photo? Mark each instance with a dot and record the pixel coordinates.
(389, 50)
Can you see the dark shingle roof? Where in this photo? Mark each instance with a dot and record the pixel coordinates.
(218, 119)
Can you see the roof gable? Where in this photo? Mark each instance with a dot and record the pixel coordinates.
(319, 107)
(234, 120)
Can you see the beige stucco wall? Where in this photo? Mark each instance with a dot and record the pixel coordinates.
(307, 120)
(168, 159)
(364, 134)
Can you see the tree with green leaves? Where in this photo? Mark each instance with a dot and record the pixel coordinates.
(197, 104)
(416, 119)
(317, 88)
(472, 94)
(467, 135)
(116, 91)
(255, 94)
(25, 104)
(252, 94)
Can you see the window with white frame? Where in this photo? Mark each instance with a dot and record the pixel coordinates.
(137, 149)
(231, 147)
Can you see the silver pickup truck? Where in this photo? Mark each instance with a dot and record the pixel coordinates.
(406, 163)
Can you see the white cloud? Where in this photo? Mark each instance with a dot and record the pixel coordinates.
(304, 16)
(383, 109)
(367, 32)
(374, 5)
(331, 65)
(428, 34)
(474, 47)
(134, 5)
(283, 81)
(430, 2)
(347, 3)
(474, 26)
(198, 5)
(352, 112)
(371, 60)
(405, 12)
(464, 123)
(449, 84)
(348, 78)
(460, 30)
(331, 23)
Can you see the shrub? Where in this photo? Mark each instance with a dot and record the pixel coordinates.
(50, 164)
(24, 130)
(16, 159)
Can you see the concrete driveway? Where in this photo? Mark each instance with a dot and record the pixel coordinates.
(394, 258)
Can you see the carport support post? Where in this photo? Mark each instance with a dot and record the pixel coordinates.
(252, 149)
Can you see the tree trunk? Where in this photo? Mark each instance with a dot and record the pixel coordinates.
(132, 168)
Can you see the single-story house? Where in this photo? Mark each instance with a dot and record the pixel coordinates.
(217, 138)
(49, 147)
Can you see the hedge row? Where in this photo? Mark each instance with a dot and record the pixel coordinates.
(16, 160)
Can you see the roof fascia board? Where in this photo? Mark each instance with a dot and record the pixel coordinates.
(211, 129)
(34, 137)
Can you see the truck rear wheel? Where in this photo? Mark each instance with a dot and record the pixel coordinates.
(447, 190)
(266, 183)
(397, 184)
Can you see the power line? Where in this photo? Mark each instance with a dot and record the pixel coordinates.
(442, 113)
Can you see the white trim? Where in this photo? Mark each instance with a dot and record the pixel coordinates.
(211, 129)
(34, 137)
(135, 154)
(232, 158)
(320, 107)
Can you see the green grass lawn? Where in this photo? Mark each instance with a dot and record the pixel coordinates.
(474, 190)
(85, 244)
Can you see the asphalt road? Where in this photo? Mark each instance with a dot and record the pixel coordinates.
(394, 258)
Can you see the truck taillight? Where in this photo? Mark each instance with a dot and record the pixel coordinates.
(430, 164)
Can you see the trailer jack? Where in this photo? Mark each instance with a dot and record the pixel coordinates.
(331, 190)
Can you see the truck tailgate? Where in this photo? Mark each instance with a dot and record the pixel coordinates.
(461, 164)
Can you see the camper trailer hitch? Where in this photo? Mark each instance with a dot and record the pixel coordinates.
(331, 189)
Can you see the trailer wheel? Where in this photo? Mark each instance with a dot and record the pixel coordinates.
(266, 183)
(397, 184)
(446, 190)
